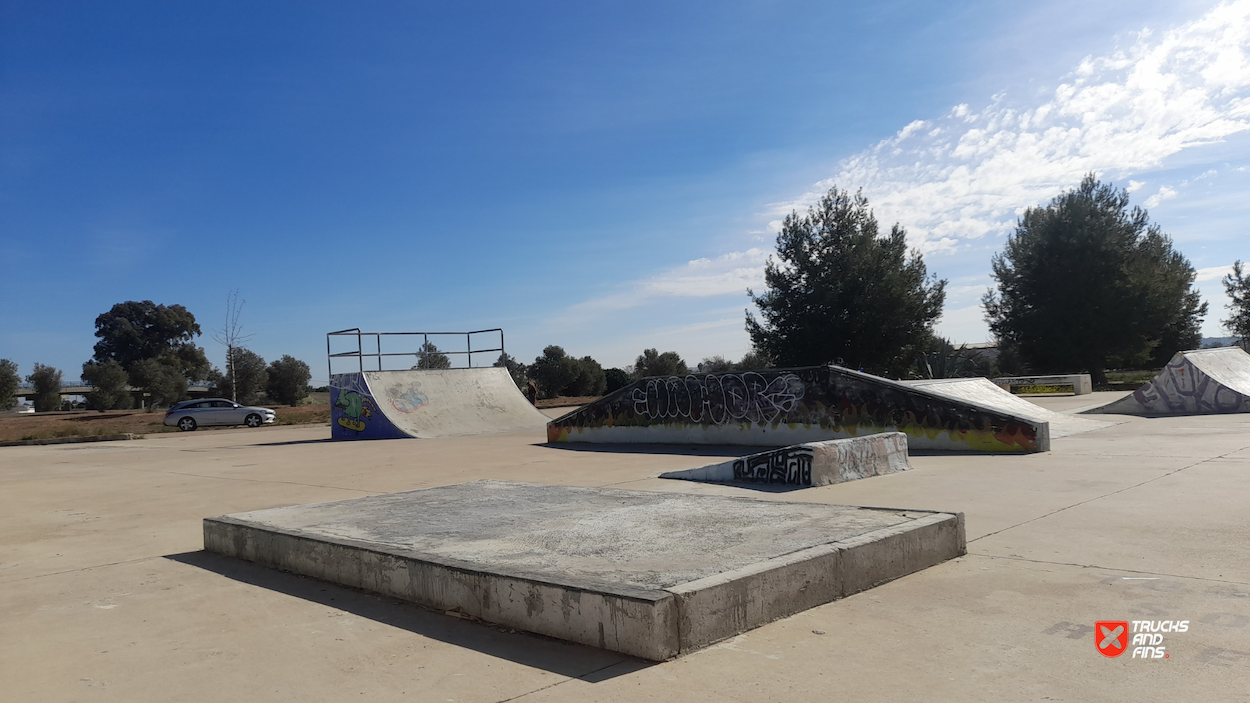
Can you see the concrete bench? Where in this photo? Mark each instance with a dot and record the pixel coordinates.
(1080, 382)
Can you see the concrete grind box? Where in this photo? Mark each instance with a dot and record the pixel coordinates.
(652, 575)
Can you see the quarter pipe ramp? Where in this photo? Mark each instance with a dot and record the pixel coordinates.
(782, 407)
(428, 403)
(1199, 382)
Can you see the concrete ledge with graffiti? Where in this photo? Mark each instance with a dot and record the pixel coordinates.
(783, 407)
(1199, 382)
(811, 464)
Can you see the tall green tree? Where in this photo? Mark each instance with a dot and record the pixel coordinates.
(715, 364)
(47, 384)
(9, 383)
(840, 291)
(288, 379)
(429, 357)
(615, 379)
(554, 371)
(652, 363)
(136, 331)
(1087, 284)
(754, 361)
(108, 385)
(588, 380)
(1237, 286)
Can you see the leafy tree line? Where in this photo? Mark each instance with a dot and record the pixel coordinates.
(555, 373)
(151, 347)
(1083, 283)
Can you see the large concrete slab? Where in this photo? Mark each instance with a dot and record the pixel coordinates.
(650, 574)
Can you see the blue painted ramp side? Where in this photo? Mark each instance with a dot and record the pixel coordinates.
(354, 412)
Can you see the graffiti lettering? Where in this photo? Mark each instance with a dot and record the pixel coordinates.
(791, 466)
(717, 399)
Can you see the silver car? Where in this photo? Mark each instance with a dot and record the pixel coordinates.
(190, 414)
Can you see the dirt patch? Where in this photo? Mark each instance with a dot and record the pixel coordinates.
(564, 401)
(88, 423)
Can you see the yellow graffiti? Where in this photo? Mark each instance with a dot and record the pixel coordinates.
(357, 425)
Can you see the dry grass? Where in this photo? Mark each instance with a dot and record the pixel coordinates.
(563, 401)
(87, 423)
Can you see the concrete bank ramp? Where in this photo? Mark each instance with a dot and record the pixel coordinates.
(984, 392)
(1199, 382)
(428, 403)
(810, 464)
(783, 407)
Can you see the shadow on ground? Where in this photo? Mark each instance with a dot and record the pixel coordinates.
(549, 654)
(709, 450)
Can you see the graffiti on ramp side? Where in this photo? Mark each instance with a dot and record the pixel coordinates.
(407, 399)
(356, 410)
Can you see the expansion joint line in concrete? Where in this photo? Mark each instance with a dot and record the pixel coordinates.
(1105, 568)
(82, 568)
(256, 480)
(557, 683)
(1105, 495)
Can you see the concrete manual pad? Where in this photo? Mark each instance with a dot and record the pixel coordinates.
(649, 574)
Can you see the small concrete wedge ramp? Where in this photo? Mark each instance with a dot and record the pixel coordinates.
(1199, 382)
(984, 392)
(429, 403)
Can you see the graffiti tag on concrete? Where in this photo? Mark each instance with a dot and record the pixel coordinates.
(717, 399)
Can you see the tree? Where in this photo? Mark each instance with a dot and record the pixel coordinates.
(589, 379)
(1237, 286)
(1085, 284)
(232, 338)
(9, 383)
(615, 379)
(249, 378)
(553, 371)
(516, 369)
(108, 385)
(841, 292)
(945, 360)
(47, 383)
(288, 380)
(715, 364)
(131, 332)
(754, 361)
(429, 357)
(652, 363)
(163, 382)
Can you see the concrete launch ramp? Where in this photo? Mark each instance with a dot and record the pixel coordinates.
(1199, 382)
(428, 403)
(782, 407)
(984, 392)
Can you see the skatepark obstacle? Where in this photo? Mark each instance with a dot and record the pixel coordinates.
(782, 407)
(810, 464)
(1198, 382)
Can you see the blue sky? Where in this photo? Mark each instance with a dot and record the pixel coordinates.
(607, 177)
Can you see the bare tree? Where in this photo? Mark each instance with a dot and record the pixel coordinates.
(231, 336)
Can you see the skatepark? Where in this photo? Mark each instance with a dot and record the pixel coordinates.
(110, 593)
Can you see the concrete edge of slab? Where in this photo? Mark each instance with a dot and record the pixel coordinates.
(655, 624)
(721, 606)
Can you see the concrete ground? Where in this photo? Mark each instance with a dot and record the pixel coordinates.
(105, 594)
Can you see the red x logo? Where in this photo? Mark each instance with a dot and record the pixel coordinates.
(1111, 637)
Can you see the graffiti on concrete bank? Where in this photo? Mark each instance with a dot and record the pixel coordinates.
(356, 410)
(407, 399)
(791, 466)
(718, 398)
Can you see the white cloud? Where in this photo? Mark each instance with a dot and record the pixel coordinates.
(1114, 115)
(1134, 186)
(1165, 193)
(1213, 273)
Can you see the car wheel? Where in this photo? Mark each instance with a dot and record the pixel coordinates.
(186, 424)
(253, 420)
